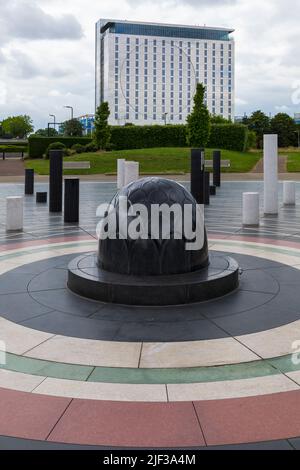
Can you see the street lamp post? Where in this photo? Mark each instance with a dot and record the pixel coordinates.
(54, 119)
(72, 110)
(54, 123)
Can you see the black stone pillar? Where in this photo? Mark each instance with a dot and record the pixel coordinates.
(206, 188)
(217, 168)
(41, 198)
(72, 200)
(213, 190)
(29, 182)
(197, 174)
(56, 180)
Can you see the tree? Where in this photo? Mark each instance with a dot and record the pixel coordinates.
(72, 128)
(18, 126)
(285, 126)
(260, 124)
(219, 120)
(44, 132)
(198, 122)
(102, 134)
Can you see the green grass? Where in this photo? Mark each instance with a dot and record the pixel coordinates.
(293, 163)
(152, 161)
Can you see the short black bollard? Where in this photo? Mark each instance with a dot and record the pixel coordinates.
(197, 174)
(71, 201)
(29, 182)
(213, 190)
(41, 198)
(206, 188)
(56, 180)
(217, 168)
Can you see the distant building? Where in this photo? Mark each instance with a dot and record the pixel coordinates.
(87, 122)
(148, 71)
(297, 118)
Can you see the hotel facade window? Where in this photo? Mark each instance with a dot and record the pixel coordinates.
(148, 72)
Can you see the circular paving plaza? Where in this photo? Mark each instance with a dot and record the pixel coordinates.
(83, 374)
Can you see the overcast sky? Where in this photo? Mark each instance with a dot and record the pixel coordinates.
(47, 50)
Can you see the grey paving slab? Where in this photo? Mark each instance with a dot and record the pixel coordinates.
(19, 307)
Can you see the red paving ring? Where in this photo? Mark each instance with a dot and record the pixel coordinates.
(177, 425)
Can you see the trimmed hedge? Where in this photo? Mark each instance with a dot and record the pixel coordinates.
(228, 137)
(138, 137)
(12, 143)
(223, 136)
(37, 146)
(13, 148)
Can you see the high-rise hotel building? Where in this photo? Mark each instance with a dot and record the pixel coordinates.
(148, 72)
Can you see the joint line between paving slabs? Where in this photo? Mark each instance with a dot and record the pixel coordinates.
(33, 390)
(37, 345)
(199, 422)
(61, 416)
(140, 356)
(89, 375)
(167, 393)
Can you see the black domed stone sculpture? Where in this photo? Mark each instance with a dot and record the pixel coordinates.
(160, 271)
(152, 257)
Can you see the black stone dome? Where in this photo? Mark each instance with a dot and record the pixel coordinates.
(152, 257)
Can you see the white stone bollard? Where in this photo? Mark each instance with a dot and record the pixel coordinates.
(289, 193)
(271, 174)
(131, 172)
(121, 173)
(14, 213)
(251, 209)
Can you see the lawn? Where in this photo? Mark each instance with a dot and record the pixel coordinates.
(152, 161)
(293, 164)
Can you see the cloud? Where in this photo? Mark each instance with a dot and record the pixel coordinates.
(21, 66)
(194, 3)
(62, 73)
(24, 19)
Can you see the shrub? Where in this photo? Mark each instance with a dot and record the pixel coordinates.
(78, 148)
(91, 147)
(55, 146)
(198, 122)
(102, 129)
(251, 140)
(37, 145)
(229, 137)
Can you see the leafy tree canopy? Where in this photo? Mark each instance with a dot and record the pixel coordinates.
(219, 120)
(102, 134)
(259, 122)
(18, 126)
(72, 128)
(198, 122)
(44, 132)
(283, 125)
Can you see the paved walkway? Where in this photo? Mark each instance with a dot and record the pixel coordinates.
(11, 168)
(77, 374)
(186, 177)
(282, 165)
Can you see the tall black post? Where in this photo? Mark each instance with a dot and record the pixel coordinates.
(206, 188)
(29, 182)
(56, 180)
(72, 200)
(217, 168)
(197, 174)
